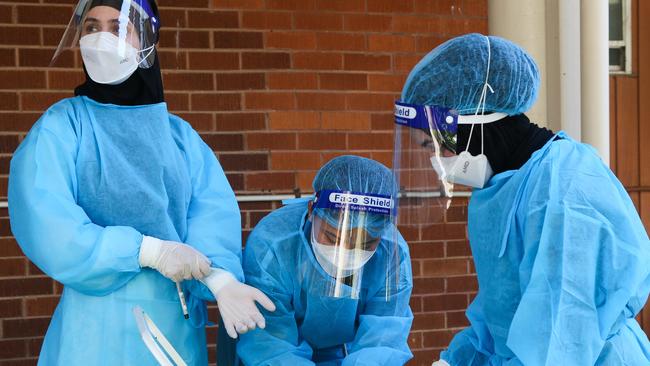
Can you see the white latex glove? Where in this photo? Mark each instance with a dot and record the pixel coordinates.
(176, 261)
(440, 363)
(237, 302)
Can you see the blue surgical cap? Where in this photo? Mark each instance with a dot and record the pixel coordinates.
(356, 174)
(453, 74)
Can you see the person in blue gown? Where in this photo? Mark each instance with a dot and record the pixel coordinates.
(312, 326)
(120, 200)
(561, 256)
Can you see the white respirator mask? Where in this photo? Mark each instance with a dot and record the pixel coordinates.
(465, 168)
(109, 60)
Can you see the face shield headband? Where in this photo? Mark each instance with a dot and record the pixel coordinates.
(353, 201)
(351, 220)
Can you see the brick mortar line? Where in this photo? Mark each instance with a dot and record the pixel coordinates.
(262, 30)
(261, 51)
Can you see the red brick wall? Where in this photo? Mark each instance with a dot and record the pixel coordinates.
(277, 88)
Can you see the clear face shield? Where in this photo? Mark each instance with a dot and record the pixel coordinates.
(115, 37)
(347, 233)
(425, 140)
(428, 163)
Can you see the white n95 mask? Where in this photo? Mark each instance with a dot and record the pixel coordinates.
(104, 61)
(465, 169)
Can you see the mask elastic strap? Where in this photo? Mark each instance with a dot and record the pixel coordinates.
(150, 50)
(482, 99)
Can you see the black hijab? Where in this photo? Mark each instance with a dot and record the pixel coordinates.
(508, 143)
(144, 86)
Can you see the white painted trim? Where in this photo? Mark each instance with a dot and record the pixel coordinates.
(626, 42)
(594, 67)
(524, 23)
(570, 72)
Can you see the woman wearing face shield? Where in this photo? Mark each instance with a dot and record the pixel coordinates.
(562, 258)
(125, 205)
(338, 271)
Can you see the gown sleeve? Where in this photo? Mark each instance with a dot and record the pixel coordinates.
(585, 268)
(213, 219)
(382, 334)
(280, 342)
(53, 231)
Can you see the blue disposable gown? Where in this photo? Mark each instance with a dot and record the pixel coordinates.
(87, 182)
(563, 265)
(309, 328)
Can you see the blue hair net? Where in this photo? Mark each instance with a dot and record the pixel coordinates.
(356, 174)
(453, 74)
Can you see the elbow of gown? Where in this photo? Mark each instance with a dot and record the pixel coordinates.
(54, 232)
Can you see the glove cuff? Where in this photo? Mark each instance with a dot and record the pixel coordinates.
(149, 251)
(218, 279)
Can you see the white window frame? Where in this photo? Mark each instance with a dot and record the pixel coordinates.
(626, 43)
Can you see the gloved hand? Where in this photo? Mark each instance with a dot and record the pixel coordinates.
(237, 302)
(176, 261)
(440, 363)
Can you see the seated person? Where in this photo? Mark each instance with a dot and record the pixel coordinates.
(338, 272)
